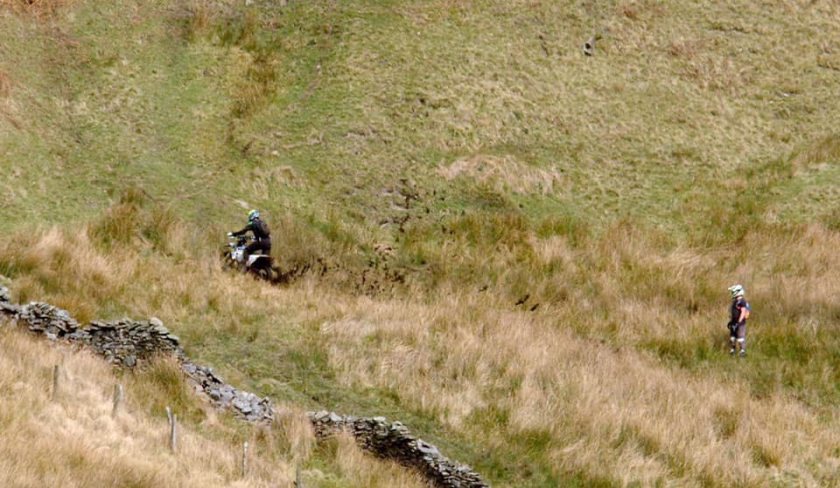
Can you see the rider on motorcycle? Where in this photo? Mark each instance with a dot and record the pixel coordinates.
(262, 236)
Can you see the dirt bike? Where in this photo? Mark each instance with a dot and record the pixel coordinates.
(260, 265)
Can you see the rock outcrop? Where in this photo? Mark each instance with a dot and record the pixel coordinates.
(126, 343)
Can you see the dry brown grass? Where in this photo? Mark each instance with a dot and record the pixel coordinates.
(584, 368)
(38, 8)
(367, 472)
(505, 174)
(76, 442)
(199, 15)
(73, 271)
(581, 371)
(59, 261)
(675, 120)
(9, 109)
(611, 412)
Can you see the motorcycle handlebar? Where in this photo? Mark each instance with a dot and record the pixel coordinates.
(238, 238)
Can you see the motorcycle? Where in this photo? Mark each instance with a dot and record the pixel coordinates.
(260, 265)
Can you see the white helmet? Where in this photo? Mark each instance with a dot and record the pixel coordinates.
(736, 291)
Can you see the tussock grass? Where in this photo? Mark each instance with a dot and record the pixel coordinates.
(358, 466)
(76, 442)
(572, 352)
(823, 151)
(597, 403)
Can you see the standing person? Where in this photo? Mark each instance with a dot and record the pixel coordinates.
(738, 314)
(262, 236)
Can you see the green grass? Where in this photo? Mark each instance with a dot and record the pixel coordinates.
(195, 115)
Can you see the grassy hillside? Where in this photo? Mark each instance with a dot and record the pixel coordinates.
(441, 162)
(75, 441)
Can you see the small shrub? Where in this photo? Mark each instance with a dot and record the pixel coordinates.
(488, 230)
(727, 421)
(832, 219)
(158, 227)
(118, 226)
(238, 29)
(766, 456)
(257, 86)
(196, 19)
(122, 222)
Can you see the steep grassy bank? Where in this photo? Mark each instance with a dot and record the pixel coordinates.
(626, 367)
(441, 162)
(75, 441)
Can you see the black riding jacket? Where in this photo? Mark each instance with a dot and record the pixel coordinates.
(258, 227)
(735, 310)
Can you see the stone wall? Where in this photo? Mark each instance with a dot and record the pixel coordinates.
(126, 343)
(245, 404)
(46, 319)
(393, 440)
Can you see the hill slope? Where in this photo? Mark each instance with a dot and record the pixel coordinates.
(522, 252)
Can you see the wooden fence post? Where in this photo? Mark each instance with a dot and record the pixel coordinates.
(298, 477)
(173, 435)
(118, 396)
(173, 432)
(245, 459)
(56, 374)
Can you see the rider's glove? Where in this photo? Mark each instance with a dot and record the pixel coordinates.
(230, 234)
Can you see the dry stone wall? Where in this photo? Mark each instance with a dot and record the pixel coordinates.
(393, 440)
(127, 342)
(246, 405)
(46, 319)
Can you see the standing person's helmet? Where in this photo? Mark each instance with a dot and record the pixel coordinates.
(736, 291)
(253, 214)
